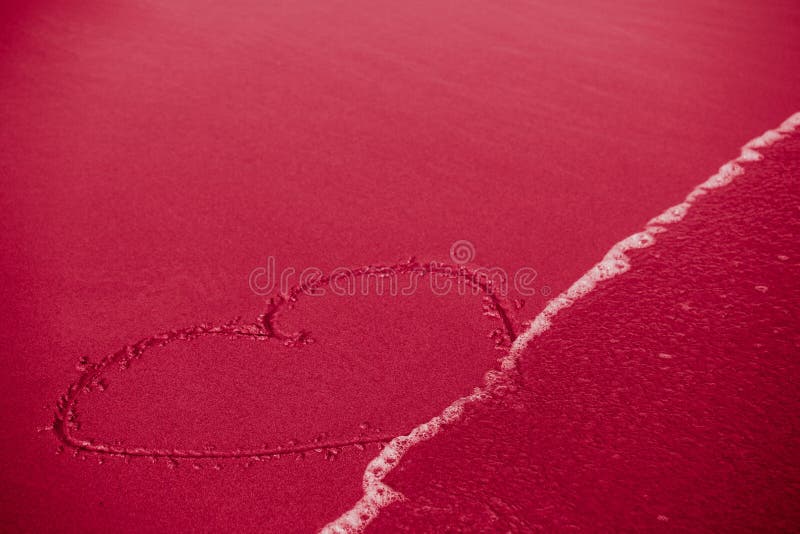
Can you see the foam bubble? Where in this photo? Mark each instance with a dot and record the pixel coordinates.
(672, 215)
(581, 287)
(764, 140)
(553, 307)
(790, 124)
(748, 154)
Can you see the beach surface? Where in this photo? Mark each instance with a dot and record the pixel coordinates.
(153, 155)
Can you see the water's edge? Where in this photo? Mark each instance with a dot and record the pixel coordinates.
(378, 495)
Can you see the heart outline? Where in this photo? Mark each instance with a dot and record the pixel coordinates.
(265, 328)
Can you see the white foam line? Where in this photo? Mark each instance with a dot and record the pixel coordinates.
(377, 494)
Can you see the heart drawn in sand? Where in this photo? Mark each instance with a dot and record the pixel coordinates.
(265, 329)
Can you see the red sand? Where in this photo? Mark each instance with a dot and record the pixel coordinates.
(152, 154)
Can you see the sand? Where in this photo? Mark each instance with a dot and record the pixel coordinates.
(154, 154)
